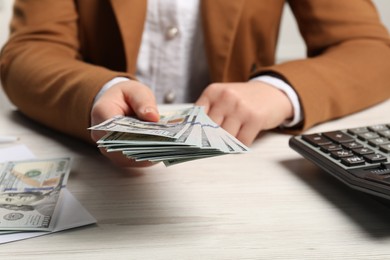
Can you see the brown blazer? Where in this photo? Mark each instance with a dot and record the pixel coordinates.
(62, 52)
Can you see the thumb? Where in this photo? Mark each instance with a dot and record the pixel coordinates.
(148, 113)
(143, 104)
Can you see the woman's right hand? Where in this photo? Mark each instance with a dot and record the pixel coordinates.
(127, 98)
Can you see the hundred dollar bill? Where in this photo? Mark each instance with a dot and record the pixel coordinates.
(30, 193)
(171, 124)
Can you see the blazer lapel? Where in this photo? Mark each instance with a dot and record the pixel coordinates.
(220, 21)
(130, 15)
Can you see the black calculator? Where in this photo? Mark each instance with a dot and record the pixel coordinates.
(359, 157)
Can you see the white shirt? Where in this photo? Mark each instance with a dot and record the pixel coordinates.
(172, 60)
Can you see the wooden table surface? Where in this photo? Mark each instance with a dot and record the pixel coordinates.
(267, 204)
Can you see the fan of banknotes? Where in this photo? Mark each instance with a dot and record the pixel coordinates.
(179, 136)
(30, 194)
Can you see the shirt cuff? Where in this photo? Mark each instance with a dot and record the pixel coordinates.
(108, 85)
(291, 94)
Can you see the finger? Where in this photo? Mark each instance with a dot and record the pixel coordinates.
(232, 125)
(224, 106)
(209, 96)
(216, 114)
(97, 135)
(204, 102)
(142, 101)
(222, 109)
(248, 133)
(103, 110)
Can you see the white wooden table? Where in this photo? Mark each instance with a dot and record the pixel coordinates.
(267, 204)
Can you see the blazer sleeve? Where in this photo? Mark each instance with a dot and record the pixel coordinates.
(42, 70)
(347, 67)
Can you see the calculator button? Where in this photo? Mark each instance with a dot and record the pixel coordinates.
(363, 151)
(367, 136)
(377, 128)
(375, 158)
(385, 148)
(353, 160)
(341, 154)
(358, 130)
(338, 137)
(316, 139)
(378, 141)
(330, 147)
(352, 145)
(385, 133)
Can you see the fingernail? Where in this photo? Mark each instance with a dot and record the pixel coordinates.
(151, 114)
(149, 110)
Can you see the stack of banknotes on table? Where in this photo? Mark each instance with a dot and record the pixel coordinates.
(30, 194)
(179, 136)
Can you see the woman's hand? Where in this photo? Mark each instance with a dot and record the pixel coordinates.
(245, 109)
(129, 98)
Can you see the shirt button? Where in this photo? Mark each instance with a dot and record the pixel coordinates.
(169, 97)
(172, 32)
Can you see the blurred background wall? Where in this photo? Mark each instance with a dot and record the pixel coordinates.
(290, 45)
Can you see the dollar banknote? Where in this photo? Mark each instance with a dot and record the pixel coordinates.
(30, 193)
(180, 136)
(171, 124)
